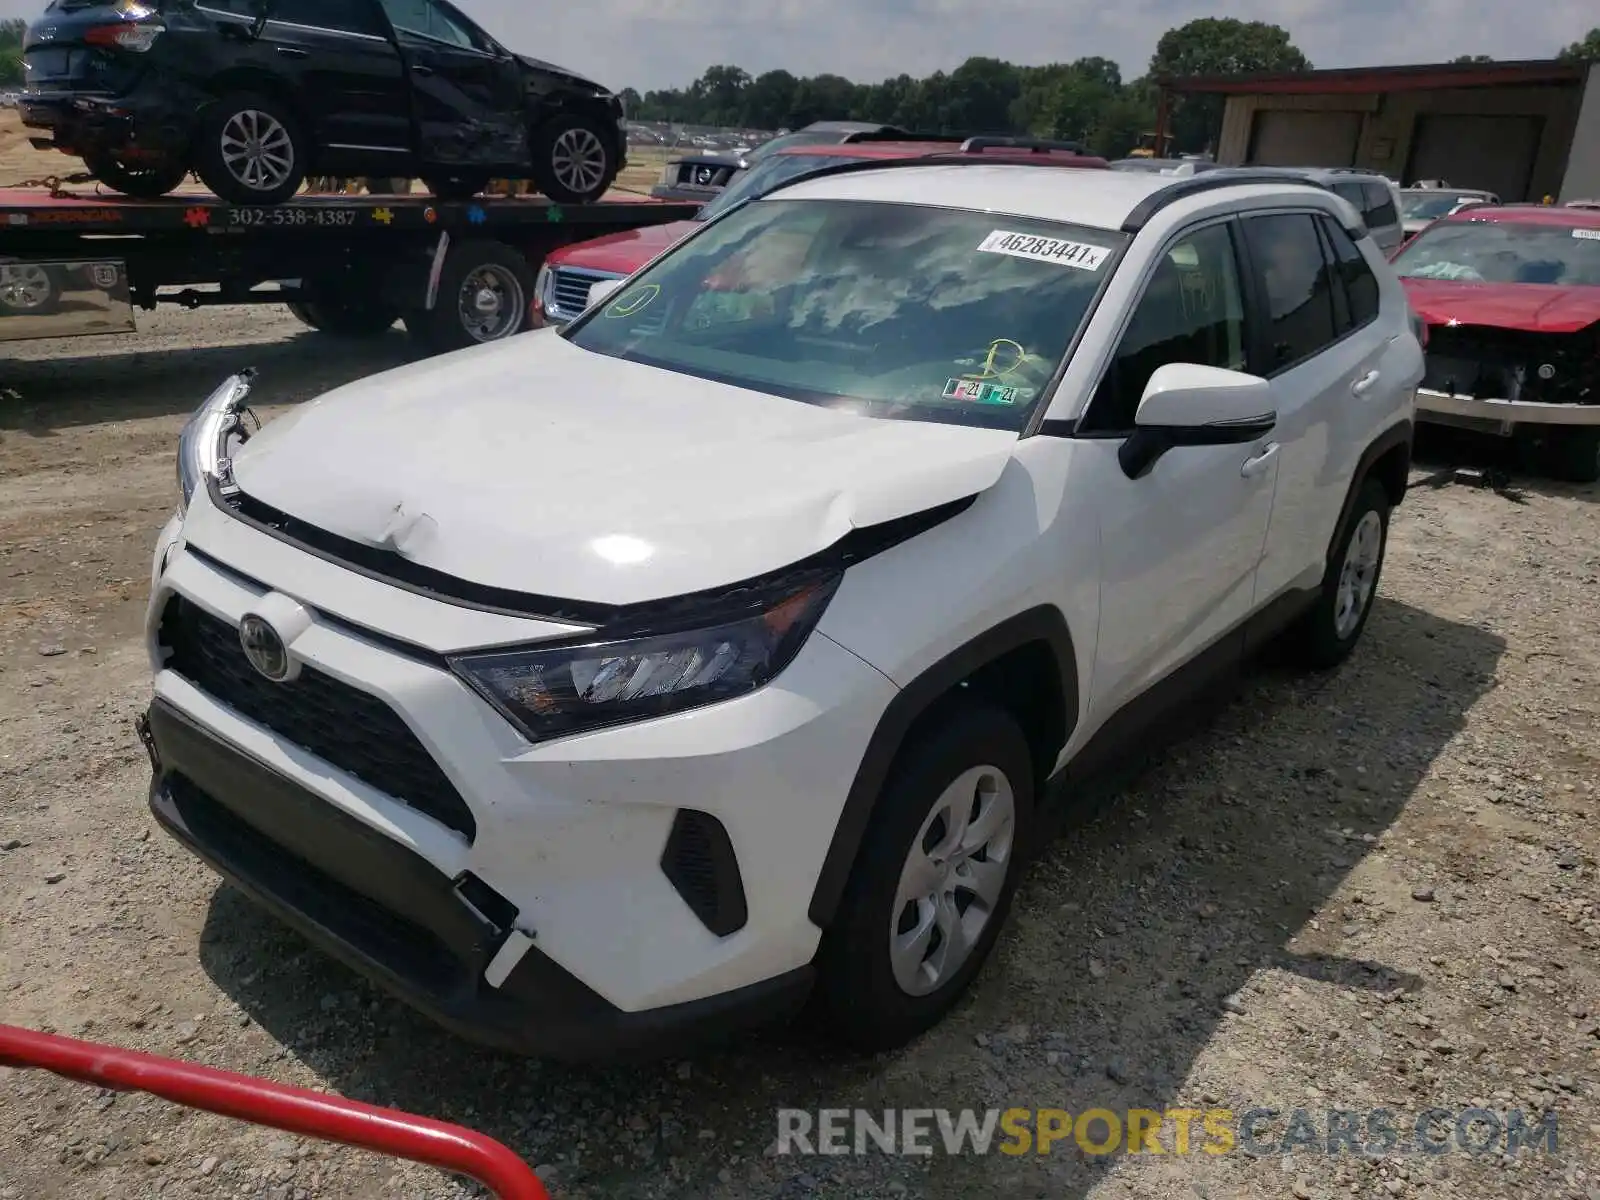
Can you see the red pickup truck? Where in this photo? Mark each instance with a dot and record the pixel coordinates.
(562, 289)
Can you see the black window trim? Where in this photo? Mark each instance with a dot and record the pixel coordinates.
(245, 19)
(1264, 320)
(1076, 427)
(1342, 291)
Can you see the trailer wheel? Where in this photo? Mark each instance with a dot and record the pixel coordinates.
(344, 318)
(140, 182)
(251, 150)
(574, 159)
(484, 292)
(29, 290)
(459, 185)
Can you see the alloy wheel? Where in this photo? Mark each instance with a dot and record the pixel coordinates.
(578, 160)
(257, 150)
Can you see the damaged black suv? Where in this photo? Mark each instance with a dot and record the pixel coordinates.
(255, 94)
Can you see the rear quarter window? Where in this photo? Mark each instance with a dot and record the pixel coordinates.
(1379, 208)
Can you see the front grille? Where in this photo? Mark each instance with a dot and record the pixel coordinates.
(1509, 364)
(706, 175)
(569, 290)
(346, 727)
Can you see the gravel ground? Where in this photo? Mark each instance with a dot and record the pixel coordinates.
(1371, 889)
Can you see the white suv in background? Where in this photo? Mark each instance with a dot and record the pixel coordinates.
(600, 689)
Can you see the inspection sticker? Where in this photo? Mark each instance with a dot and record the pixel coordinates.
(1592, 234)
(979, 392)
(1046, 249)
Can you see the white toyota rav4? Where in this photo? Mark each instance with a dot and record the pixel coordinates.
(600, 689)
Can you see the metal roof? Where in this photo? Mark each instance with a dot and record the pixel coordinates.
(1348, 80)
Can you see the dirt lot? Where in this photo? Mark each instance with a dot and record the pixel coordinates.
(1375, 889)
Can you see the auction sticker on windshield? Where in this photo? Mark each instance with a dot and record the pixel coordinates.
(1046, 249)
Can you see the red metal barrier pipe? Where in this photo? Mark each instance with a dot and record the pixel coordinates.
(291, 1109)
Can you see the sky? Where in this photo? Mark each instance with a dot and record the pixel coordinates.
(667, 43)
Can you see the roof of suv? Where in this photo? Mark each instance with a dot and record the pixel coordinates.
(1103, 199)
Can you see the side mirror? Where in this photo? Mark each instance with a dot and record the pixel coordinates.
(599, 291)
(1186, 404)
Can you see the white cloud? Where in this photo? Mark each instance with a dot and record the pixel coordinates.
(645, 44)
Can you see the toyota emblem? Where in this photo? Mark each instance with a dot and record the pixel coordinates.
(264, 648)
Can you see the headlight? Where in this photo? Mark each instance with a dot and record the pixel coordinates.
(210, 435)
(556, 691)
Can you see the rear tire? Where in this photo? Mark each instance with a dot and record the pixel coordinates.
(140, 182)
(29, 290)
(485, 289)
(575, 158)
(251, 150)
(1324, 637)
(345, 319)
(458, 185)
(944, 850)
(1573, 455)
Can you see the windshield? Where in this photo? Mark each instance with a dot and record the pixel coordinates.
(766, 175)
(888, 310)
(1503, 252)
(1431, 205)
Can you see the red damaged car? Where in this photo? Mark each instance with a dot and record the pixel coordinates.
(1511, 299)
(562, 289)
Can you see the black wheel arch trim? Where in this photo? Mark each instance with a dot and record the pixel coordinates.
(1042, 624)
(1402, 433)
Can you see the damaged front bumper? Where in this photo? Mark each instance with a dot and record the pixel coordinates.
(1447, 408)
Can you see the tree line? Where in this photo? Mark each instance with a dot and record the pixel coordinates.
(11, 31)
(1084, 100)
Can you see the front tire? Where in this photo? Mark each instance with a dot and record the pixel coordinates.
(1329, 631)
(933, 881)
(1573, 455)
(142, 183)
(345, 319)
(575, 159)
(251, 150)
(484, 292)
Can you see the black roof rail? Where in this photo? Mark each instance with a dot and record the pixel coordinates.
(1005, 142)
(1182, 187)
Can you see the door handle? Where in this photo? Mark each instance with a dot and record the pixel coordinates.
(1366, 383)
(419, 69)
(1258, 463)
(291, 52)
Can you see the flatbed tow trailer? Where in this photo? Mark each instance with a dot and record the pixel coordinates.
(457, 273)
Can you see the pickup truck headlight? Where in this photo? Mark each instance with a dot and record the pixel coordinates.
(552, 692)
(210, 434)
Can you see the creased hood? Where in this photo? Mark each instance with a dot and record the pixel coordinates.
(1533, 307)
(539, 467)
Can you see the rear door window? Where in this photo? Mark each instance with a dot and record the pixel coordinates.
(341, 16)
(1296, 283)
